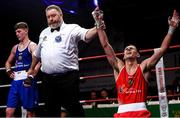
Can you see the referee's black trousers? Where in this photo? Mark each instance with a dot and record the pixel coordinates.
(62, 90)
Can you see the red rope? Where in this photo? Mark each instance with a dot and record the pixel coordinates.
(118, 54)
(110, 75)
(98, 100)
(172, 68)
(115, 99)
(96, 76)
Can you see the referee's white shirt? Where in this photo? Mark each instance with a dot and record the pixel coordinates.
(58, 50)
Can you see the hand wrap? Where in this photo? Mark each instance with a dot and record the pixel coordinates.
(9, 72)
(98, 16)
(28, 80)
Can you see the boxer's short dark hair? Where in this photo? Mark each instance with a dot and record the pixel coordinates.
(21, 25)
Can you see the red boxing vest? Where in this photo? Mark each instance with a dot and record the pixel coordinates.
(131, 88)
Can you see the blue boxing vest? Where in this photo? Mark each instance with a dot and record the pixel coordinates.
(23, 59)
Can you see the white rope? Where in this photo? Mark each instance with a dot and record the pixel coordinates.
(3, 68)
(8, 85)
(4, 106)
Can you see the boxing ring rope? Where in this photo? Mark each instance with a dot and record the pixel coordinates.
(115, 99)
(108, 75)
(119, 54)
(97, 76)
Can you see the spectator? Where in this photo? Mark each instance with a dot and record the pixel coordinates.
(170, 92)
(63, 112)
(93, 96)
(104, 94)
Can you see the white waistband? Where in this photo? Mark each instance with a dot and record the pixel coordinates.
(20, 75)
(131, 107)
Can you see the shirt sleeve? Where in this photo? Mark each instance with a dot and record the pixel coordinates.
(80, 33)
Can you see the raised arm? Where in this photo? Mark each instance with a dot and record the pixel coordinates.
(173, 23)
(115, 63)
(108, 50)
(91, 34)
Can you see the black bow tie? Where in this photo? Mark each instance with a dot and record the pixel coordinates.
(58, 28)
